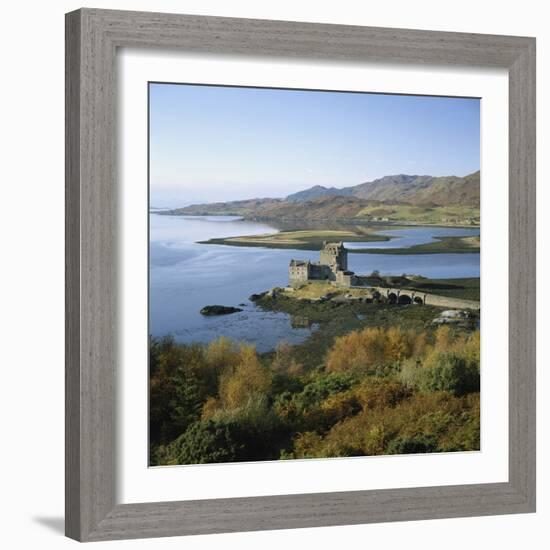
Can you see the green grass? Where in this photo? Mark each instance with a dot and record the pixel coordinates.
(313, 240)
(466, 289)
(449, 215)
(443, 245)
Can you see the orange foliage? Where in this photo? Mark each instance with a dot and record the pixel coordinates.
(359, 350)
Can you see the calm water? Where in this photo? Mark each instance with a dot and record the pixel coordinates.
(186, 276)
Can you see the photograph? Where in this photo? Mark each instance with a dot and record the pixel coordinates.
(271, 275)
(314, 274)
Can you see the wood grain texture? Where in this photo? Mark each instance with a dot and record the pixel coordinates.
(72, 277)
(92, 37)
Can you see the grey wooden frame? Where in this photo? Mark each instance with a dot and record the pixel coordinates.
(92, 38)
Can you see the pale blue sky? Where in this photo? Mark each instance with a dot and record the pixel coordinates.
(221, 143)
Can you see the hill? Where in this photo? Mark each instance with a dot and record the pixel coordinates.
(398, 198)
(420, 190)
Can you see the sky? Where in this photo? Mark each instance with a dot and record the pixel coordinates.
(219, 143)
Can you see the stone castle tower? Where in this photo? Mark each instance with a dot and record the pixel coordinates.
(333, 266)
(335, 256)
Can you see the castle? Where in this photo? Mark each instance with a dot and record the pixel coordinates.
(332, 266)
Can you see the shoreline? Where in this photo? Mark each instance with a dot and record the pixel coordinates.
(443, 245)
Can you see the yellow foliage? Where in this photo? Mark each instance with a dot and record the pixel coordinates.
(245, 380)
(340, 405)
(284, 361)
(305, 443)
(374, 393)
(210, 407)
(356, 349)
(374, 441)
(222, 353)
(398, 344)
(369, 347)
(471, 348)
(443, 338)
(420, 344)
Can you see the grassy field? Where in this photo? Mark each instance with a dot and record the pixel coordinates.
(443, 245)
(312, 239)
(449, 215)
(466, 289)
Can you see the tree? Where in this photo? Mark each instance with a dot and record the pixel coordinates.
(204, 442)
(247, 379)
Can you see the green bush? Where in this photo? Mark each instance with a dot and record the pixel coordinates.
(302, 410)
(202, 443)
(443, 371)
(322, 387)
(253, 430)
(403, 445)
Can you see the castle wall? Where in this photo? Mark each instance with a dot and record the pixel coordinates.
(298, 274)
(321, 273)
(332, 267)
(345, 278)
(335, 256)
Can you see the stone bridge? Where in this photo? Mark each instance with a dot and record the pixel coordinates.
(407, 296)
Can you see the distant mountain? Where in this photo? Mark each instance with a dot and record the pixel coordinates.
(318, 191)
(399, 197)
(230, 208)
(418, 190)
(328, 207)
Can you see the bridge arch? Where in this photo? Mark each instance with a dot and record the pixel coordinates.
(404, 298)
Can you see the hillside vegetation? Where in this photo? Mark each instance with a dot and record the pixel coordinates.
(439, 191)
(402, 198)
(375, 391)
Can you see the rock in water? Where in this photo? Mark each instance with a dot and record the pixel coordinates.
(256, 297)
(219, 310)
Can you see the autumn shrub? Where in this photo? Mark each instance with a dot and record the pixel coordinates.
(221, 355)
(362, 351)
(443, 338)
(284, 361)
(379, 391)
(435, 420)
(246, 379)
(376, 393)
(356, 351)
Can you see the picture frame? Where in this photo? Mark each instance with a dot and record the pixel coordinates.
(92, 39)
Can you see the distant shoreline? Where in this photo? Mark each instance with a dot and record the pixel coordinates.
(313, 240)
